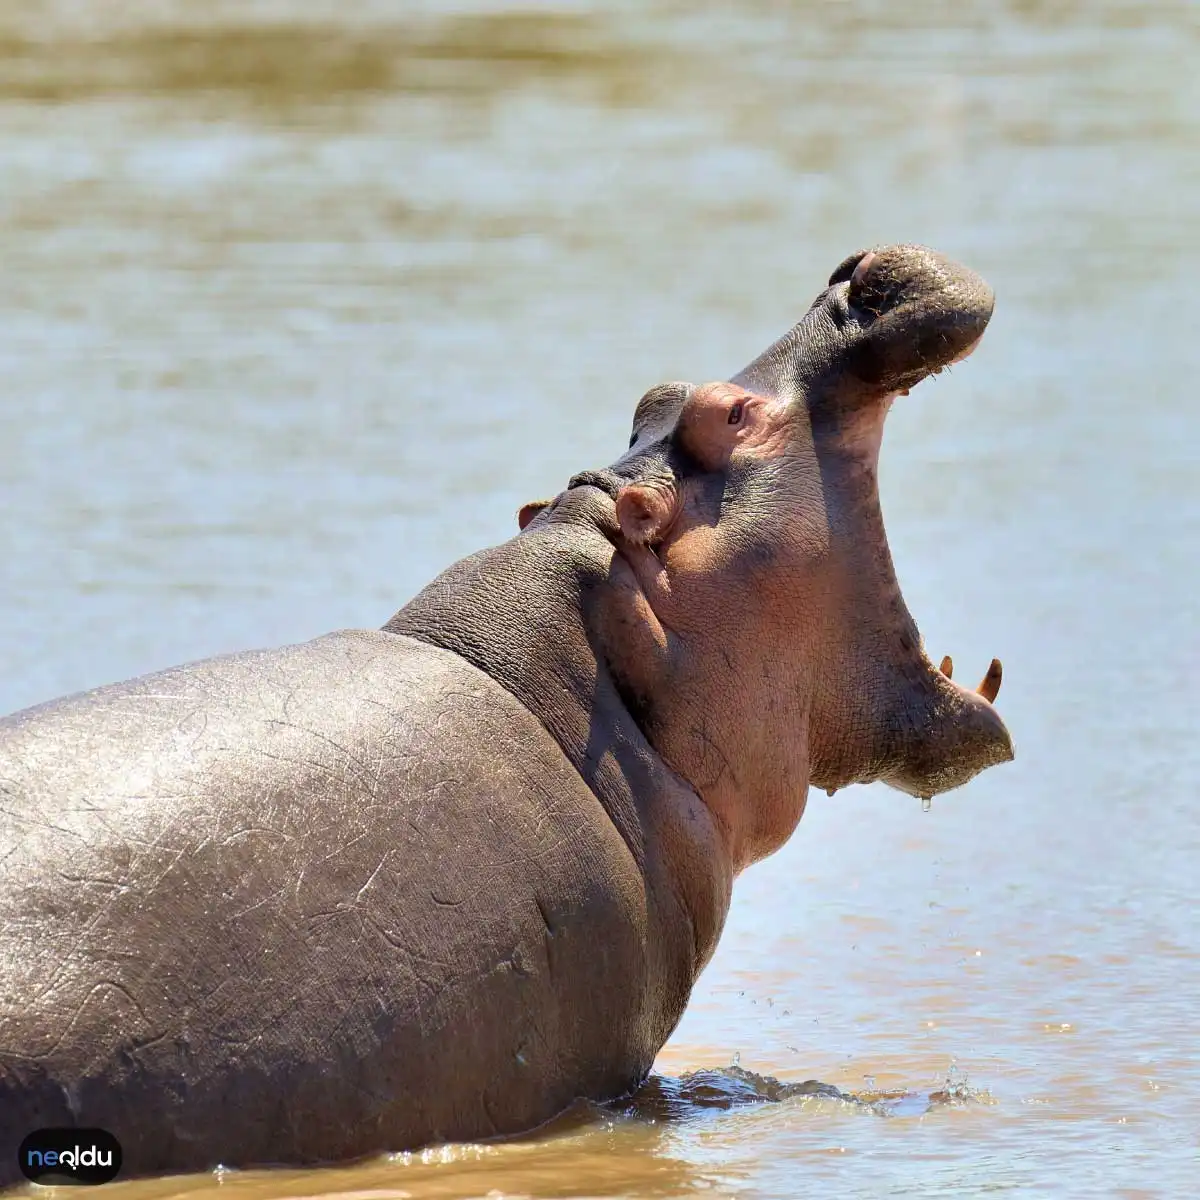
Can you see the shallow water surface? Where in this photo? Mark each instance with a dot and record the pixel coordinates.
(299, 303)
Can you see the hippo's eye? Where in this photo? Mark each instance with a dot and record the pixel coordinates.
(735, 414)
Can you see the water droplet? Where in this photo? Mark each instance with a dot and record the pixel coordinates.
(737, 1058)
(926, 803)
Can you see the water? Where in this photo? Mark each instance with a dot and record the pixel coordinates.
(299, 303)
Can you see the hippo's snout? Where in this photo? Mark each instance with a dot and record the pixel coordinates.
(909, 312)
(888, 318)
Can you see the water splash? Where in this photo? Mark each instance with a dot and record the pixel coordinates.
(663, 1098)
(955, 1090)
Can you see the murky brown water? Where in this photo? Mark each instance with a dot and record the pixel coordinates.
(299, 302)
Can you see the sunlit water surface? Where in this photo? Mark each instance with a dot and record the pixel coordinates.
(299, 302)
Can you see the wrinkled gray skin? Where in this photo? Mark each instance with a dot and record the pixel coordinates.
(435, 882)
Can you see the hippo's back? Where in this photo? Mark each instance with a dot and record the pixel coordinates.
(306, 904)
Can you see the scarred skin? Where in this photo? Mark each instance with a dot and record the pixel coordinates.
(435, 882)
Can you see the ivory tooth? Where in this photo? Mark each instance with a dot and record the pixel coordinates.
(989, 689)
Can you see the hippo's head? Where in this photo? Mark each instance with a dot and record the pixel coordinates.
(766, 642)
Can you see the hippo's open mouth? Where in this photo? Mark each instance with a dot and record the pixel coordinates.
(923, 315)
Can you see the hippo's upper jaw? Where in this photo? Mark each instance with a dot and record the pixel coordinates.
(888, 319)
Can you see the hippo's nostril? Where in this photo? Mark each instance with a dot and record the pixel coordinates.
(874, 285)
(847, 267)
(860, 271)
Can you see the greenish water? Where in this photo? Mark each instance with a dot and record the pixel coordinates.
(299, 303)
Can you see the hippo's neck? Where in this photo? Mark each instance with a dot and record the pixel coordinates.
(521, 613)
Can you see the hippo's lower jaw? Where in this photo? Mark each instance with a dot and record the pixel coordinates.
(962, 735)
(937, 736)
(909, 724)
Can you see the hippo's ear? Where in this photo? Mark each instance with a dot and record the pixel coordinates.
(645, 512)
(527, 512)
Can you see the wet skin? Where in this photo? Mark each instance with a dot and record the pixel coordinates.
(434, 882)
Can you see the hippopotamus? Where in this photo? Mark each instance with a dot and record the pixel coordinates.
(440, 880)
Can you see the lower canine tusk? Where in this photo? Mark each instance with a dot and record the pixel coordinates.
(989, 689)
